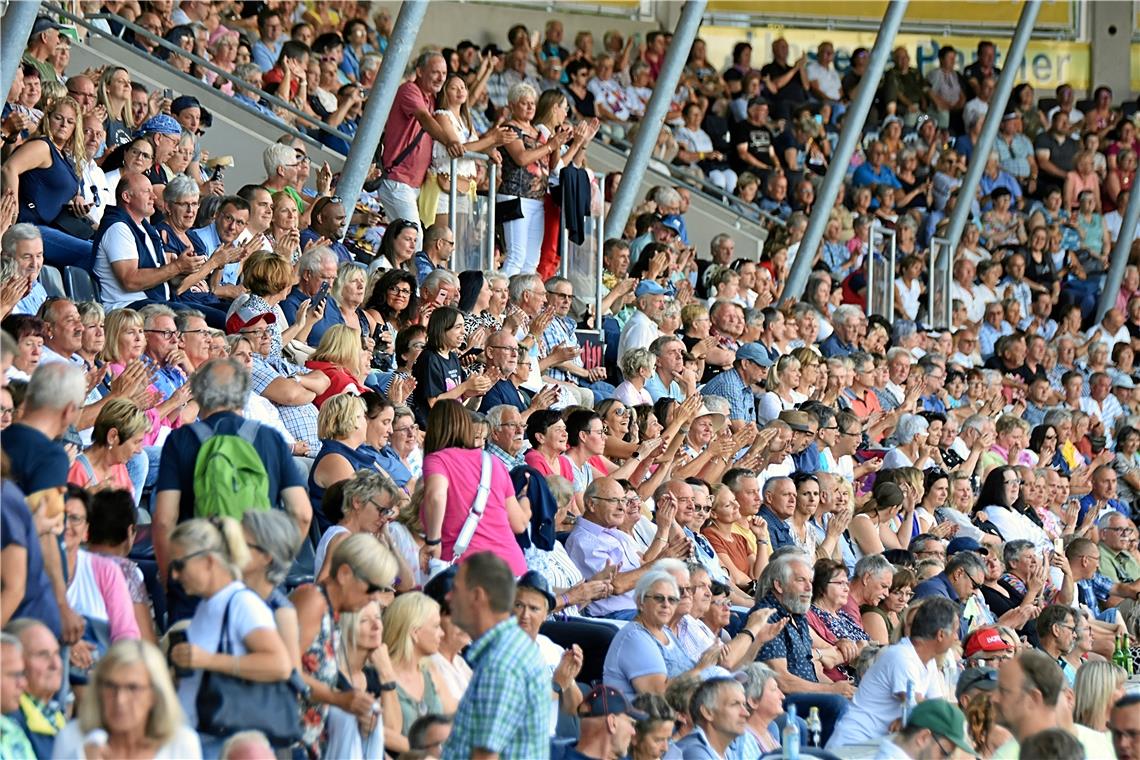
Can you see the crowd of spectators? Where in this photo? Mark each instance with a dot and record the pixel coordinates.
(470, 532)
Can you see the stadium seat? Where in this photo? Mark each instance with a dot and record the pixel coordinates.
(52, 281)
(1045, 104)
(79, 285)
(593, 636)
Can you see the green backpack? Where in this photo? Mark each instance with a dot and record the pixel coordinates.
(229, 476)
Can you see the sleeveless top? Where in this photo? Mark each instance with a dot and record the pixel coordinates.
(524, 181)
(411, 708)
(44, 193)
(441, 161)
(358, 460)
(323, 546)
(319, 661)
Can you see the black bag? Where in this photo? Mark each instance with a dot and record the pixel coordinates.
(508, 211)
(227, 705)
(76, 226)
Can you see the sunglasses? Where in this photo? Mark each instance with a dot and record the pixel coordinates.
(373, 588)
(664, 599)
(179, 564)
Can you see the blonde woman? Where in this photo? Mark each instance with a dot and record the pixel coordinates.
(783, 379)
(1098, 685)
(116, 437)
(132, 699)
(342, 428)
(115, 96)
(369, 501)
(637, 366)
(341, 357)
(363, 660)
(413, 634)
(345, 306)
(207, 557)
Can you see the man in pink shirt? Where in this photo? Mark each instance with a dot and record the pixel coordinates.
(408, 136)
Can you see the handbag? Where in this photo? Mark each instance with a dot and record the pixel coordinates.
(508, 210)
(77, 226)
(228, 704)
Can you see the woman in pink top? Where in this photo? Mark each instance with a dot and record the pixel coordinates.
(549, 441)
(451, 479)
(125, 344)
(116, 437)
(1082, 177)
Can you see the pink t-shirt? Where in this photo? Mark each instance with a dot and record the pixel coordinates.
(399, 131)
(538, 462)
(117, 475)
(461, 468)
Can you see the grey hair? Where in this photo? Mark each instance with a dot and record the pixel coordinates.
(657, 347)
(220, 384)
(759, 675)
(717, 404)
(241, 739)
(647, 582)
(1056, 417)
(491, 276)
(182, 318)
(780, 567)
(247, 71)
(437, 279)
(872, 564)
(11, 640)
(426, 57)
(276, 534)
(1106, 519)
(312, 259)
(771, 483)
(671, 565)
(844, 313)
(909, 426)
(666, 196)
(520, 90)
(1014, 549)
(495, 414)
(520, 284)
(974, 422)
(55, 386)
(276, 156)
(367, 484)
(9, 268)
(180, 186)
(556, 280)
(718, 240)
(8, 346)
(18, 233)
(371, 61)
(635, 360)
(708, 694)
(154, 311)
(970, 561)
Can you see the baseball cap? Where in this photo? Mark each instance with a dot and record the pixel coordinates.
(606, 700)
(976, 678)
(964, 544)
(943, 719)
(1123, 381)
(754, 352)
(535, 581)
(1010, 115)
(649, 288)
(985, 640)
(163, 124)
(43, 24)
(246, 316)
(672, 222)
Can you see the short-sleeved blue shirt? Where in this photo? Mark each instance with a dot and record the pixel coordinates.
(635, 652)
(778, 530)
(18, 528)
(176, 471)
(38, 463)
(793, 645)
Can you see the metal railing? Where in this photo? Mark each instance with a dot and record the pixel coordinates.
(139, 31)
(881, 285)
(462, 228)
(940, 304)
(582, 264)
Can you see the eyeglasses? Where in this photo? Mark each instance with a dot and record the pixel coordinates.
(975, 584)
(610, 499)
(141, 154)
(179, 564)
(383, 510)
(164, 334)
(255, 333)
(6, 410)
(417, 344)
(839, 582)
(132, 690)
(721, 603)
(70, 519)
(664, 599)
(402, 430)
(620, 411)
(553, 294)
(508, 349)
(397, 290)
(374, 588)
(196, 332)
(703, 508)
(513, 425)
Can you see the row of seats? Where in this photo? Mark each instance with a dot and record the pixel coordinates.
(73, 282)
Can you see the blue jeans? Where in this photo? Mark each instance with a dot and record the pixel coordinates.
(601, 390)
(63, 250)
(629, 614)
(831, 709)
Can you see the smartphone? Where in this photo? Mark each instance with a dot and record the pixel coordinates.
(1058, 546)
(441, 298)
(175, 638)
(168, 94)
(322, 295)
(218, 174)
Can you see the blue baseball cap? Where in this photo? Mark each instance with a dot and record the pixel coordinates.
(649, 288)
(162, 124)
(606, 700)
(756, 353)
(672, 222)
(964, 544)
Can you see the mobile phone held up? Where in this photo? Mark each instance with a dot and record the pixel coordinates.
(322, 295)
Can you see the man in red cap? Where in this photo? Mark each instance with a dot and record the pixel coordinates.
(986, 647)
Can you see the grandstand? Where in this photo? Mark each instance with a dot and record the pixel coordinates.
(722, 327)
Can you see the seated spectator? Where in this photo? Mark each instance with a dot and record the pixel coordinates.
(315, 268)
(546, 431)
(340, 425)
(830, 621)
(718, 710)
(39, 716)
(882, 621)
(340, 357)
(117, 436)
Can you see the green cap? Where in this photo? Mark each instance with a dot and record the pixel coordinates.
(943, 719)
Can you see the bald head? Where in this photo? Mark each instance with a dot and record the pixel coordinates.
(502, 352)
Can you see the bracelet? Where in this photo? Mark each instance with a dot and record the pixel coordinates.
(748, 633)
(430, 542)
(565, 600)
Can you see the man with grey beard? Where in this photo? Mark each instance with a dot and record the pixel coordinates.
(786, 588)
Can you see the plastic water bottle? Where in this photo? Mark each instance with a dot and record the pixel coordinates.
(790, 738)
(909, 703)
(814, 726)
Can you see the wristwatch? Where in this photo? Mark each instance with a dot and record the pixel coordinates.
(388, 686)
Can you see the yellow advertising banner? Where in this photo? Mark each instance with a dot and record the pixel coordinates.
(1047, 63)
(1000, 13)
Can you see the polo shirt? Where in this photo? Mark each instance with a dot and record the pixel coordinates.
(657, 389)
(179, 453)
(400, 130)
(1121, 567)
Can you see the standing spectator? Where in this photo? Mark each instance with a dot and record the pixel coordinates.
(271, 32)
(786, 84)
(405, 153)
(947, 90)
(504, 711)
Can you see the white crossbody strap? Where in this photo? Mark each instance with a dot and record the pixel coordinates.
(467, 532)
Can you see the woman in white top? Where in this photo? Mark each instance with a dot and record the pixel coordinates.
(454, 118)
(637, 366)
(369, 500)
(783, 379)
(908, 288)
(911, 445)
(132, 700)
(1001, 503)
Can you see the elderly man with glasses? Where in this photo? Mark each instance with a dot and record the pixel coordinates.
(1117, 535)
(501, 353)
(559, 351)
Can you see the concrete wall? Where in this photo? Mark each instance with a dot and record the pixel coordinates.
(1110, 31)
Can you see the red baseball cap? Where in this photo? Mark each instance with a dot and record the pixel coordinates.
(986, 640)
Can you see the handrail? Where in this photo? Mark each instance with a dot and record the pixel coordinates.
(936, 243)
(492, 191)
(228, 76)
(877, 229)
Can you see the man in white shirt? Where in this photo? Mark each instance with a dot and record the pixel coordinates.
(823, 80)
(641, 329)
(908, 666)
(1114, 219)
(23, 243)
